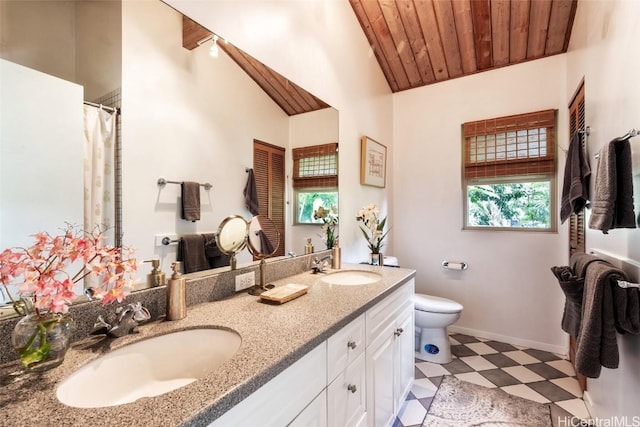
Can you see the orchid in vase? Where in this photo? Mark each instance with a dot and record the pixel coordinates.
(329, 218)
(373, 229)
(41, 274)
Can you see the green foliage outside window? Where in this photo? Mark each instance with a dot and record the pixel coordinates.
(309, 201)
(514, 205)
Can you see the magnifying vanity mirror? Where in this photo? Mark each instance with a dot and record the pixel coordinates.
(263, 242)
(232, 237)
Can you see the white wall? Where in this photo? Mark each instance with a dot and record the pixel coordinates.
(508, 292)
(314, 128)
(186, 117)
(37, 192)
(75, 41)
(320, 46)
(603, 51)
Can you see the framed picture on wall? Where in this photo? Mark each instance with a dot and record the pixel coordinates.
(373, 163)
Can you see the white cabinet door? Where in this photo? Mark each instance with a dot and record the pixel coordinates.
(404, 357)
(380, 366)
(346, 396)
(314, 415)
(345, 346)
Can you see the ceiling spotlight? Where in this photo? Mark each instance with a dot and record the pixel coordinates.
(213, 51)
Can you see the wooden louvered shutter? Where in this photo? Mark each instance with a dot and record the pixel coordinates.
(269, 173)
(577, 124)
(576, 221)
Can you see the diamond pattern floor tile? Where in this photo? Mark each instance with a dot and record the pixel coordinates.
(532, 374)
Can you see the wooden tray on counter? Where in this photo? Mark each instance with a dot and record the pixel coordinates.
(285, 293)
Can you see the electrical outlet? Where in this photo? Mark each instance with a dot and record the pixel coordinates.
(246, 280)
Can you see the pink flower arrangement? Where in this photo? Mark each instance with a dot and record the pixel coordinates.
(42, 270)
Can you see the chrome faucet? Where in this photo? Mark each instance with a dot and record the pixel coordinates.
(319, 265)
(130, 316)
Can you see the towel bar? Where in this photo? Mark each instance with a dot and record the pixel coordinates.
(625, 284)
(162, 182)
(167, 241)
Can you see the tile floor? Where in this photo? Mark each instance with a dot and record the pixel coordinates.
(532, 374)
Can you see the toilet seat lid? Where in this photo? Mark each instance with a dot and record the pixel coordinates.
(436, 304)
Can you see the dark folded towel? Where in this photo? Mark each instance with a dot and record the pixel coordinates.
(575, 187)
(190, 201)
(251, 193)
(612, 204)
(214, 255)
(572, 287)
(597, 342)
(192, 254)
(626, 303)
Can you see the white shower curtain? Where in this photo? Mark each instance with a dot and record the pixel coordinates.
(99, 152)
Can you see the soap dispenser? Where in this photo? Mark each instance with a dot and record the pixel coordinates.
(176, 295)
(335, 256)
(156, 277)
(308, 248)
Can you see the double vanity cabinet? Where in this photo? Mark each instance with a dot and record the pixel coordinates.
(340, 355)
(360, 376)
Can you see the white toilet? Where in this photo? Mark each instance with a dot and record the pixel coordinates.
(432, 316)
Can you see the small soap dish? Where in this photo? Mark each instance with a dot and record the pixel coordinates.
(284, 293)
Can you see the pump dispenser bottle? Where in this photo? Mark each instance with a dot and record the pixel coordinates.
(176, 295)
(308, 248)
(156, 277)
(335, 256)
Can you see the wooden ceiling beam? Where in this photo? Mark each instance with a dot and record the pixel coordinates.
(431, 34)
(538, 28)
(448, 35)
(481, 14)
(500, 28)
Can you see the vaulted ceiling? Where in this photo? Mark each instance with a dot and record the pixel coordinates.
(421, 42)
(290, 97)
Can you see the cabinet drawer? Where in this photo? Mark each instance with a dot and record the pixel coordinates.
(314, 415)
(381, 316)
(346, 396)
(345, 346)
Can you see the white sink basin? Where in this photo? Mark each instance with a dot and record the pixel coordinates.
(351, 277)
(148, 368)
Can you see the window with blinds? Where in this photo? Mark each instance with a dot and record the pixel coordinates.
(315, 180)
(315, 166)
(509, 171)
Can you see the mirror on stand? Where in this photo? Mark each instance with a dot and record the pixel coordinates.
(232, 237)
(263, 241)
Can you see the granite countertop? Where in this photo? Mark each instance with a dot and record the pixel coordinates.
(273, 337)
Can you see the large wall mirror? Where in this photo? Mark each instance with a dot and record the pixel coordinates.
(185, 116)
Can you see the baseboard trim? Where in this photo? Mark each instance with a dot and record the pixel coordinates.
(559, 350)
(586, 397)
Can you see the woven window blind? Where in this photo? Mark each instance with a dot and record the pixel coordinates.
(522, 144)
(315, 166)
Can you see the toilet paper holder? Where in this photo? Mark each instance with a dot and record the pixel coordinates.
(454, 265)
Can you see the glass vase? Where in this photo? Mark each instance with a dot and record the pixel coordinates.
(377, 259)
(41, 341)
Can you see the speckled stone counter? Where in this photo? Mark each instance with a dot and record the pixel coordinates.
(273, 337)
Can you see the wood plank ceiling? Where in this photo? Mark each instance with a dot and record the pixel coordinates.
(290, 97)
(420, 42)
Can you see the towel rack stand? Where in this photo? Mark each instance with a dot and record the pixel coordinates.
(162, 182)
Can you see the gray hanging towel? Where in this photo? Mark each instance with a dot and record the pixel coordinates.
(575, 187)
(251, 193)
(612, 204)
(191, 251)
(190, 201)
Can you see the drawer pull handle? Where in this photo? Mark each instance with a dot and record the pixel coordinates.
(352, 345)
(398, 332)
(352, 388)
